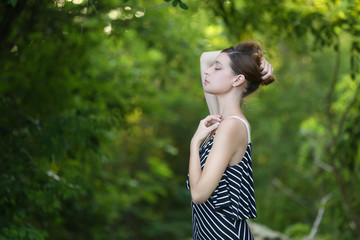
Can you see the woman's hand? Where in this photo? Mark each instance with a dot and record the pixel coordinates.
(206, 126)
(266, 69)
(207, 59)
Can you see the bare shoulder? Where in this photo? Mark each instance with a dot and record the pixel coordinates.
(233, 128)
(234, 124)
(232, 138)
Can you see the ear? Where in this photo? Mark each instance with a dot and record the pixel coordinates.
(238, 80)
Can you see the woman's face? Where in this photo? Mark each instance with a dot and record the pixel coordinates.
(219, 77)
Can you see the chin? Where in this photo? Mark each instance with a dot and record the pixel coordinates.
(208, 91)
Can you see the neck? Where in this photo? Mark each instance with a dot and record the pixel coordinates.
(229, 106)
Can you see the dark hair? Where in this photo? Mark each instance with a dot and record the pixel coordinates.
(246, 60)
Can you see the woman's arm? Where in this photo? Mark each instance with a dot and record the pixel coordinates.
(230, 135)
(207, 59)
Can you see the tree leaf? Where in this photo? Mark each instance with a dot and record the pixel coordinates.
(12, 2)
(183, 5)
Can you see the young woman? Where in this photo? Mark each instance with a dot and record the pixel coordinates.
(220, 171)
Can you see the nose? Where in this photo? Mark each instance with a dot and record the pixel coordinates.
(207, 71)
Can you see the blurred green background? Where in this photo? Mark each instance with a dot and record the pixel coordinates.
(99, 99)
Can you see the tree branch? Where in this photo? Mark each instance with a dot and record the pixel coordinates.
(288, 191)
(329, 95)
(342, 185)
(319, 217)
(336, 135)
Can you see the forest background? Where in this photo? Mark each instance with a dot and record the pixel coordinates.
(99, 99)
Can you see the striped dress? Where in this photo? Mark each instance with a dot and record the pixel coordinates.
(224, 214)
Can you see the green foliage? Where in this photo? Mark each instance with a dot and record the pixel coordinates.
(297, 231)
(176, 2)
(12, 2)
(100, 99)
(83, 150)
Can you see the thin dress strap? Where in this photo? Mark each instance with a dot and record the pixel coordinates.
(246, 125)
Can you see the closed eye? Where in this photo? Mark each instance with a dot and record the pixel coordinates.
(218, 65)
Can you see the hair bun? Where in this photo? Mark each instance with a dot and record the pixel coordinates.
(246, 59)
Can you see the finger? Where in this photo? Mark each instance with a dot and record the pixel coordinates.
(214, 122)
(265, 66)
(211, 118)
(214, 126)
(262, 65)
(268, 74)
(209, 124)
(267, 71)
